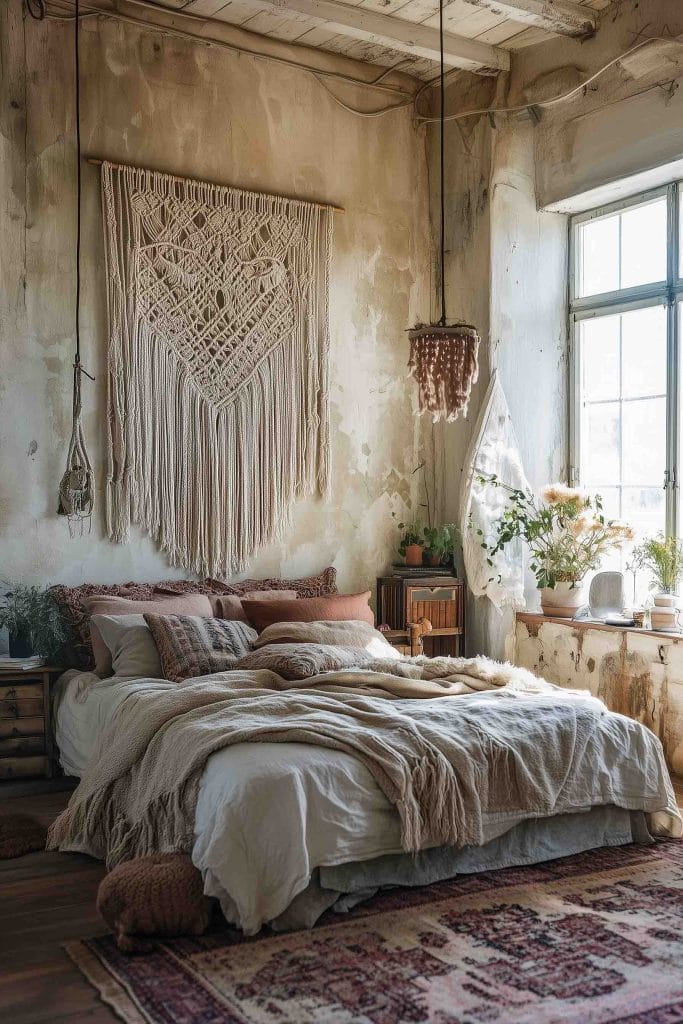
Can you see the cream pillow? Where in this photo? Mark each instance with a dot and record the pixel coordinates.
(101, 604)
(133, 652)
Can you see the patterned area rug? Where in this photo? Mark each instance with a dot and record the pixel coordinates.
(589, 939)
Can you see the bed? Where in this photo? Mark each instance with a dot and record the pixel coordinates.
(284, 830)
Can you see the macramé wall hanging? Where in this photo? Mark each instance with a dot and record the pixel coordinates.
(218, 363)
(443, 359)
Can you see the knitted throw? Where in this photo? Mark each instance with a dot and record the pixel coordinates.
(218, 364)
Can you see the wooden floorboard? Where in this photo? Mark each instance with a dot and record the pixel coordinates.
(47, 899)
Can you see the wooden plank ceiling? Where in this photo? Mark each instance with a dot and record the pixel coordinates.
(479, 33)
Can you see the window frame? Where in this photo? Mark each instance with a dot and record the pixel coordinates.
(667, 293)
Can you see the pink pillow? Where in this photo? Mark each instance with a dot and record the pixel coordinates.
(183, 604)
(229, 606)
(334, 608)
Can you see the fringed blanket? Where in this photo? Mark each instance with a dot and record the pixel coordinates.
(503, 740)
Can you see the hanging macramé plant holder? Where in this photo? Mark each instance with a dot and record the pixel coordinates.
(444, 362)
(76, 488)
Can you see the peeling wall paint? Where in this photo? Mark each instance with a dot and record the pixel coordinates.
(628, 120)
(172, 104)
(505, 273)
(635, 674)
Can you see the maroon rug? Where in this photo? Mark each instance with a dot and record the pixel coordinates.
(584, 940)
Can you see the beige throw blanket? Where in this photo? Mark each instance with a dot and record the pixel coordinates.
(502, 741)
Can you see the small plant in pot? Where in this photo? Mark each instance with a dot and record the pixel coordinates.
(411, 545)
(663, 558)
(440, 541)
(33, 621)
(567, 535)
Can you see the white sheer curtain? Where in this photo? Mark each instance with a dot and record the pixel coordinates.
(493, 450)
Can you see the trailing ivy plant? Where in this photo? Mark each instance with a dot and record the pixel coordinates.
(30, 614)
(565, 530)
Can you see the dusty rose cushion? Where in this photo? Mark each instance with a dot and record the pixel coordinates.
(183, 604)
(335, 608)
(229, 606)
(192, 646)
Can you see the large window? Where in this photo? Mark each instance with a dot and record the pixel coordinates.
(626, 297)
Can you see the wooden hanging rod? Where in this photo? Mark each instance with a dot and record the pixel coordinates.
(98, 161)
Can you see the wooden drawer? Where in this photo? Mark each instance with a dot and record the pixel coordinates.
(22, 767)
(11, 729)
(13, 691)
(21, 746)
(22, 707)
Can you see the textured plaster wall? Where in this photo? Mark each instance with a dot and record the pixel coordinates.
(629, 120)
(506, 264)
(505, 273)
(172, 104)
(636, 674)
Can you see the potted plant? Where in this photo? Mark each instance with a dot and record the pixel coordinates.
(663, 557)
(440, 542)
(567, 535)
(411, 544)
(33, 621)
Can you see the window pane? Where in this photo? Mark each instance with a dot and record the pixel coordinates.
(643, 336)
(644, 441)
(645, 509)
(643, 244)
(623, 250)
(601, 357)
(624, 413)
(599, 256)
(601, 444)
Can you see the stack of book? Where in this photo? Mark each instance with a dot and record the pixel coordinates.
(20, 664)
(422, 570)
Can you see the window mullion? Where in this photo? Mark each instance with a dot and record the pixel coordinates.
(673, 370)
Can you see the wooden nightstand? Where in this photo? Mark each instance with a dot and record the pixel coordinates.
(26, 745)
(439, 599)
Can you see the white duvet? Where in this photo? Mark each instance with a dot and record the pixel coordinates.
(268, 814)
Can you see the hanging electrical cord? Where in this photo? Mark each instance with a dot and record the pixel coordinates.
(442, 144)
(409, 98)
(97, 12)
(554, 100)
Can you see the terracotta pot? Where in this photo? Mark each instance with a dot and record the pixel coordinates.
(432, 559)
(564, 599)
(414, 554)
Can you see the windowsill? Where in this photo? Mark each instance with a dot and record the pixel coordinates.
(537, 618)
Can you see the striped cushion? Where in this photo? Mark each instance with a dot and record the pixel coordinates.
(189, 645)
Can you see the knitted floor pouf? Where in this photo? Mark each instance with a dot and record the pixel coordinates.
(158, 895)
(20, 834)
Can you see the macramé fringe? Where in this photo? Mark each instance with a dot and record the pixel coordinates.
(217, 421)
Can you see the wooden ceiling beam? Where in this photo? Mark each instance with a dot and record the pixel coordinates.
(561, 16)
(394, 33)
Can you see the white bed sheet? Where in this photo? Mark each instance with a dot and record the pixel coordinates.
(268, 814)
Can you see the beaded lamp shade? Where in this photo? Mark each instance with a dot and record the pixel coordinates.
(443, 359)
(444, 362)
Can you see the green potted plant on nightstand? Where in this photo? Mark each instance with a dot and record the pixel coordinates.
(411, 545)
(33, 621)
